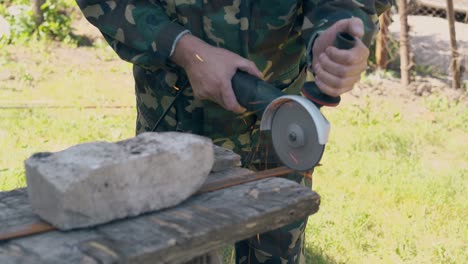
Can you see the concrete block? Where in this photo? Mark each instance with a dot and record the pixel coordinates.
(225, 159)
(97, 182)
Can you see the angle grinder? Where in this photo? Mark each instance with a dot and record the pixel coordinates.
(298, 129)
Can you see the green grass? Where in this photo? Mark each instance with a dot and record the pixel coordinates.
(44, 77)
(392, 187)
(392, 183)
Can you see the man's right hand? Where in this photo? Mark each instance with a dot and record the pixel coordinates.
(210, 70)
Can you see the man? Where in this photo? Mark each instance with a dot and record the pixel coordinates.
(206, 42)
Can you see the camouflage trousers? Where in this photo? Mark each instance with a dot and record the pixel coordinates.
(155, 91)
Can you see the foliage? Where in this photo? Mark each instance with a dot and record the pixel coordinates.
(426, 70)
(56, 25)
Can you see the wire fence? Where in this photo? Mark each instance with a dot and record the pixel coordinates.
(438, 8)
(427, 37)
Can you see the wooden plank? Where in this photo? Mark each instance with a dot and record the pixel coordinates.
(198, 225)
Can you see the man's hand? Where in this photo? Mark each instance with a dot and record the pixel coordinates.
(336, 71)
(211, 69)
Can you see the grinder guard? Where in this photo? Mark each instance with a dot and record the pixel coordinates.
(299, 131)
(315, 114)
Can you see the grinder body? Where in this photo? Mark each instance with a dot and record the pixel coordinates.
(299, 130)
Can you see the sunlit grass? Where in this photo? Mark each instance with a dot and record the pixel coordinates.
(42, 103)
(393, 186)
(26, 131)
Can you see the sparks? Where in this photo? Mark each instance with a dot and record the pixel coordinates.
(245, 114)
(293, 158)
(199, 58)
(307, 175)
(176, 88)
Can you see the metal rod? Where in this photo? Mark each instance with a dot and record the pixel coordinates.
(27, 230)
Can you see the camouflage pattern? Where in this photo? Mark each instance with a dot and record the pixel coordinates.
(276, 34)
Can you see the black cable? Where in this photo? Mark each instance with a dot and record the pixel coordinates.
(182, 83)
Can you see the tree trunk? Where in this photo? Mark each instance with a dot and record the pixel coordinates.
(37, 12)
(381, 48)
(456, 76)
(404, 43)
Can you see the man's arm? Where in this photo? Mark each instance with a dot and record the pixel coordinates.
(139, 31)
(336, 71)
(142, 33)
(210, 70)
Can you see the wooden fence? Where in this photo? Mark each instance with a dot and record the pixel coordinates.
(387, 46)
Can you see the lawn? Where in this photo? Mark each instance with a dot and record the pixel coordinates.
(393, 178)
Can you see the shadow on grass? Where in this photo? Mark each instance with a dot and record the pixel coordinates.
(316, 256)
(312, 255)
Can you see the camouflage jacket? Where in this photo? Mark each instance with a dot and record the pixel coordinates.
(272, 33)
(275, 34)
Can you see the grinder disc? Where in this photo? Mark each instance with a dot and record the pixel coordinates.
(295, 137)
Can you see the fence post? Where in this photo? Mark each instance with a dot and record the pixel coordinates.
(404, 43)
(381, 47)
(37, 12)
(456, 76)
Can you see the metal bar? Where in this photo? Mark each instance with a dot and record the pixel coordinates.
(27, 230)
(244, 178)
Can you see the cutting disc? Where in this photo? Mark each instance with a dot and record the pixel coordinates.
(295, 137)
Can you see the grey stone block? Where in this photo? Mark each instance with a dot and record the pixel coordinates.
(225, 159)
(97, 182)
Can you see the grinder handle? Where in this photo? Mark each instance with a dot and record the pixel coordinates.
(253, 93)
(310, 90)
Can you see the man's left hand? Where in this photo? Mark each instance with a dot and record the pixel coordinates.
(336, 71)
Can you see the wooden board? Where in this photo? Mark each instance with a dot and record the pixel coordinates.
(202, 223)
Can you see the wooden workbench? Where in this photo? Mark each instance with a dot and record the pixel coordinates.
(199, 225)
